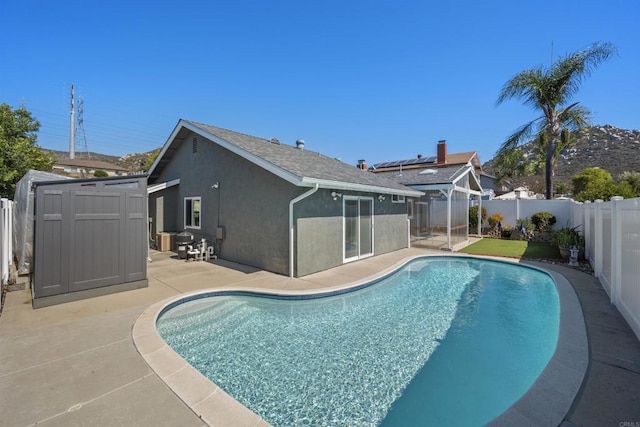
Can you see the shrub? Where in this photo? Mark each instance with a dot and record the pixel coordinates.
(99, 173)
(494, 219)
(528, 225)
(543, 220)
(473, 216)
(567, 237)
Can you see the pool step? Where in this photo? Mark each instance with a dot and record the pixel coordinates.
(222, 315)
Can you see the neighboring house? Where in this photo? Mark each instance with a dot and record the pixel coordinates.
(449, 182)
(83, 168)
(519, 193)
(273, 206)
(489, 184)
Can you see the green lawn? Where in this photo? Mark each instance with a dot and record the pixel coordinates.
(512, 248)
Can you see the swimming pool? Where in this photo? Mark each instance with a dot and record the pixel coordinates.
(442, 339)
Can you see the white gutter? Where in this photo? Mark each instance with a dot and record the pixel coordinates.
(346, 186)
(291, 203)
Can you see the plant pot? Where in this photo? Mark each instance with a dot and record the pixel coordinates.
(565, 253)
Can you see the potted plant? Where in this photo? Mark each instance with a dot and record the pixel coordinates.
(567, 237)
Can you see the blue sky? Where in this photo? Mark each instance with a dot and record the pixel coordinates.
(373, 80)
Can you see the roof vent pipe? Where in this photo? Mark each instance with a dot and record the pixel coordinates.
(300, 144)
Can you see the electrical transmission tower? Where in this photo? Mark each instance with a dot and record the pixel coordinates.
(81, 127)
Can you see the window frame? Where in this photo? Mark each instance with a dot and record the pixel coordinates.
(398, 198)
(189, 202)
(410, 209)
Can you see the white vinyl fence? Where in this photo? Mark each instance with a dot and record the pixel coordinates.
(6, 238)
(612, 235)
(515, 209)
(612, 241)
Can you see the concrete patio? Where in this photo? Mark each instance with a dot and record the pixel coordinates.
(76, 364)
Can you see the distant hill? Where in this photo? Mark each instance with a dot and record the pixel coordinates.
(608, 147)
(132, 162)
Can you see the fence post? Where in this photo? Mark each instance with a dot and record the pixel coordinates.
(588, 232)
(598, 239)
(616, 251)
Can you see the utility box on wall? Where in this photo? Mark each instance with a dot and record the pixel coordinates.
(91, 238)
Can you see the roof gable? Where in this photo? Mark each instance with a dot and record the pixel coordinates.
(300, 167)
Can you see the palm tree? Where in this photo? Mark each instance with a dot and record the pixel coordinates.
(550, 90)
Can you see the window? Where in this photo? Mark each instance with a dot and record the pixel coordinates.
(192, 212)
(395, 198)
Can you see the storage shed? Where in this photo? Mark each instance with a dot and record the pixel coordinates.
(90, 238)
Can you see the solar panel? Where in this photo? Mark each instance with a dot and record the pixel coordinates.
(406, 162)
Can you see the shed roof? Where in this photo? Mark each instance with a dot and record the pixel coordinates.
(93, 164)
(435, 176)
(301, 167)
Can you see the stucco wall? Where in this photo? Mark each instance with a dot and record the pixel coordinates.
(319, 230)
(254, 210)
(253, 206)
(318, 235)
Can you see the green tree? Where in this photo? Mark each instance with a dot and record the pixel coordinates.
(19, 150)
(562, 188)
(152, 158)
(590, 178)
(99, 173)
(549, 90)
(511, 164)
(596, 183)
(633, 179)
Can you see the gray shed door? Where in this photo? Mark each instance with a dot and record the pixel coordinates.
(88, 238)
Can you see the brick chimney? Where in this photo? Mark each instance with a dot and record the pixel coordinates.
(442, 151)
(362, 165)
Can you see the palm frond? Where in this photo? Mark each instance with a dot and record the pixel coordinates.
(522, 135)
(569, 72)
(575, 117)
(527, 85)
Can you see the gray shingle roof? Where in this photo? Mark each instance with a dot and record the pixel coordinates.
(304, 164)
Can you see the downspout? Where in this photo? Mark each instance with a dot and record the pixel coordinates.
(480, 216)
(291, 203)
(449, 194)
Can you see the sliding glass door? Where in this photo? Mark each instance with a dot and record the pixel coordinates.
(358, 228)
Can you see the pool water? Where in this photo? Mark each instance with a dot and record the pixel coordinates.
(444, 340)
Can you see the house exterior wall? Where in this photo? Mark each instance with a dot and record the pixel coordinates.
(319, 230)
(253, 204)
(162, 209)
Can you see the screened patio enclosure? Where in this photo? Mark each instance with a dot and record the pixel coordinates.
(440, 218)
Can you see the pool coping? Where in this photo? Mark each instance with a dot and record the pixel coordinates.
(546, 402)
